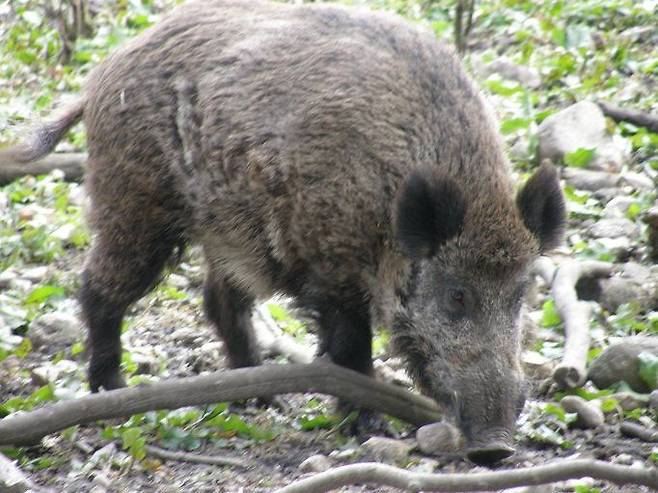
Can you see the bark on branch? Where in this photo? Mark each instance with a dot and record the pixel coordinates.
(321, 377)
(572, 371)
(72, 164)
(380, 474)
(630, 115)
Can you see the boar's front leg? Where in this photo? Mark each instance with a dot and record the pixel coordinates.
(346, 337)
(229, 310)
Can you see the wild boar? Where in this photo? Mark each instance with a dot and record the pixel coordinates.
(339, 156)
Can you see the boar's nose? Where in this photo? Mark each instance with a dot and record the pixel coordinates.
(490, 447)
(489, 455)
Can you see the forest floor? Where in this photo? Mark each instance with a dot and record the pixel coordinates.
(533, 59)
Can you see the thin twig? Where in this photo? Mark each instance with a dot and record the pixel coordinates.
(380, 474)
(72, 164)
(213, 460)
(232, 385)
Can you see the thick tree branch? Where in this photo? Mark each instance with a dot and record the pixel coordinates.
(72, 164)
(321, 376)
(380, 474)
(630, 115)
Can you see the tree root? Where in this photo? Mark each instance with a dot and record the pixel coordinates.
(244, 383)
(72, 164)
(381, 474)
(572, 371)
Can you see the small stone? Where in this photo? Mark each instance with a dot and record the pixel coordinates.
(438, 438)
(536, 366)
(653, 400)
(617, 207)
(35, 274)
(629, 401)
(65, 232)
(12, 479)
(43, 375)
(619, 362)
(638, 181)
(315, 463)
(178, 281)
(346, 454)
(509, 70)
(387, 450)
(582, 125)
(6, 278)
(584, 179)
(425, 465)
(635, 271)
(617, 291)
(146, 364)
(625, 459)
(620, 247)
(613, 228)
(589, 414)
(54, 330)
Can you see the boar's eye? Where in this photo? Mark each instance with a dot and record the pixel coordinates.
(457, 296)
(456, 302)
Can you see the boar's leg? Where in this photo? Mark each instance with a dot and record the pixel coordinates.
(345, 336)
(229, 309)
(119, 271)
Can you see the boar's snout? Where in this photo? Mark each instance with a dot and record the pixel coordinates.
(489, 399)
(490, 447)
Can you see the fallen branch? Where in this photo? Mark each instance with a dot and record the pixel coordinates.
(572, 370)
(630, 115)
(273, 340)
(212, 460)
(635, 430)
(72, 164)
(381, 474)
(233, 385)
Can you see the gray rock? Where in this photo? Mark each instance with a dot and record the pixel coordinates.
(387, 450)
(584, 179)
(582, 125)
(536, 366)
(613, 228)
(651, 219)
(6, 278)
(315, 463)
(621, 247)
(631, 400)
(635, 271)
(12, 479)
(653, 400)
(54, 330)
(606, 194)
(616, 291)
(589, 413)
(618, 206)
(35, 274)
(620, 362)
(638, 181)
(439, 438)
(509, 70)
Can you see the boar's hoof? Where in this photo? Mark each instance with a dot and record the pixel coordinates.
(106, 380)
(490, 455)
(366, 424)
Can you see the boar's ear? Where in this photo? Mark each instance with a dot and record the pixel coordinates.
(430, 211)
(542, 207)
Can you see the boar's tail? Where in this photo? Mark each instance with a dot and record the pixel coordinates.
(44, 137)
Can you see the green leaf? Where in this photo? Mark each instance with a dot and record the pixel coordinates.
(648, 369)
(134, 442)
(550, 317)
(513, 124)
(322, 421)
(580, 158)
(44, 293)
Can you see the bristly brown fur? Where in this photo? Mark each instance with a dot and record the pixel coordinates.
(282, 138)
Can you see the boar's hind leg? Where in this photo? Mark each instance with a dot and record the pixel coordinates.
(229, 309)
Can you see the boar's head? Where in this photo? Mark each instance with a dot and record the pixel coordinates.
(458, 329)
